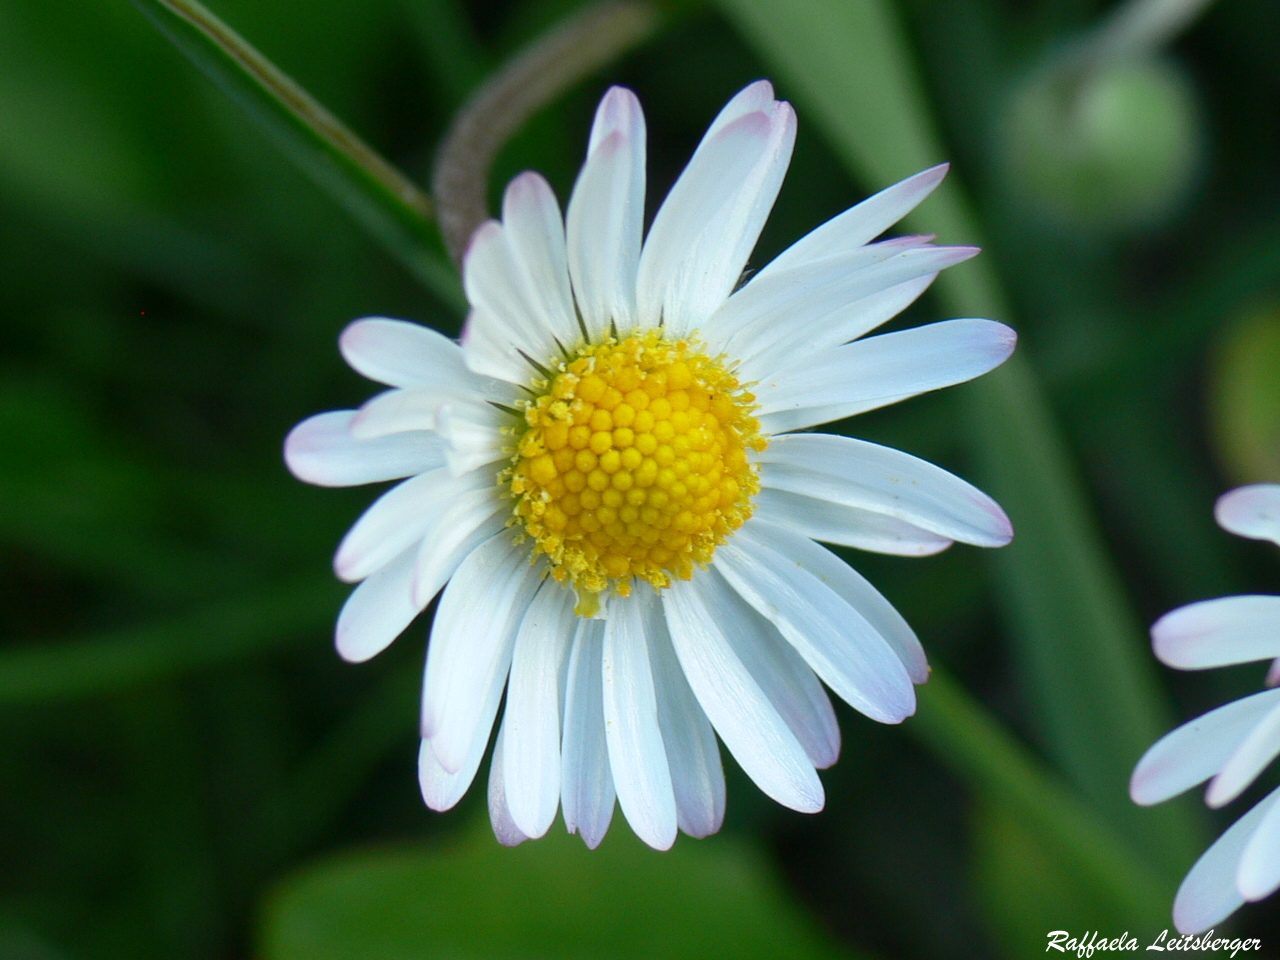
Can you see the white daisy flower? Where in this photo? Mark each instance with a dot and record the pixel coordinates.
(1228, 746)
(606, 480)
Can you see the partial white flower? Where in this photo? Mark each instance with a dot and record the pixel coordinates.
(604, 473)
(1228, 746)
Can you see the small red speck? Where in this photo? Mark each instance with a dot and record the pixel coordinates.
(144, 313)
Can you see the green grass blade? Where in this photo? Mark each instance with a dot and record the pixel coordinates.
(1091, 680)
(389, 205)
(212, 634)
(964, 737)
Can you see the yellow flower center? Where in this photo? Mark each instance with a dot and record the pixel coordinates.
(632, 463)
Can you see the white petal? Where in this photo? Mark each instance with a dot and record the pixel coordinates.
(751, 728)
(637, 755)
(606, 215)
(535, 232)
(321, 450)
(418, 408)
(502, 324)
(771, 347)
(396, 521)
(1252, 511)
(709, 222)
(1217, 633)
(861, 223)
(871, 373)
(846, 651)
(1209, 895)
(470, 518)
(471, 640)
(471, 442)
(441, 789)
(806, 294)
(377, 611)
(1197, 750)
(504, 828)
(757, 95)
(402, 354)
(845, 525)
(789, 683)
(883, 480)
(531, 768)
(851, 587)
(586, 784)
(1259, 872)
(1273, 673)
(692, 753)
(1255, 751)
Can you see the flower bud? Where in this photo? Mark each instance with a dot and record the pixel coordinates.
(1112, 147)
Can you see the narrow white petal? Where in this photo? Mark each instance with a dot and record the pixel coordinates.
(441, 789)
(321, 450)
(1217, 633)
(637, 755)
(1273, 673)
(871, 373)
(470, 518)
(692, 753)
(1254, 752)
(396, 521)
(471, 442)
(865, 475)
(771, 347)
(1209, 893)
(494, 350)
(587, 793)
(606, 215)
(535, 232)
(471, 641)
(845, 525)
(403, 354)
(861, 223)
(741, 713)
(789, 683)
(1195, 751)
(709, 222)
(531, 768)
(502, 323)
(1252, 511)
(757, 95)
(504, 828)
(844, 649)
(418, 408)
(851, 587)
(806, 294)
(1259, 872)
(377, 611)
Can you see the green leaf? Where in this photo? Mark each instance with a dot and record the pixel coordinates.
(1244, 398)
(471, 898)
(378, 195)
(1090, 678)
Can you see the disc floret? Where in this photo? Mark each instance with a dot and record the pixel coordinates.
(632, 463)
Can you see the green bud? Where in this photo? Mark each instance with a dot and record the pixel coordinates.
(1112, 147)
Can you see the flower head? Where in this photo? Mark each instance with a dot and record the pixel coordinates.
(1228, 746)
(605, 473)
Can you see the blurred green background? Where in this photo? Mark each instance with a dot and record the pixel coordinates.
(188, 770)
